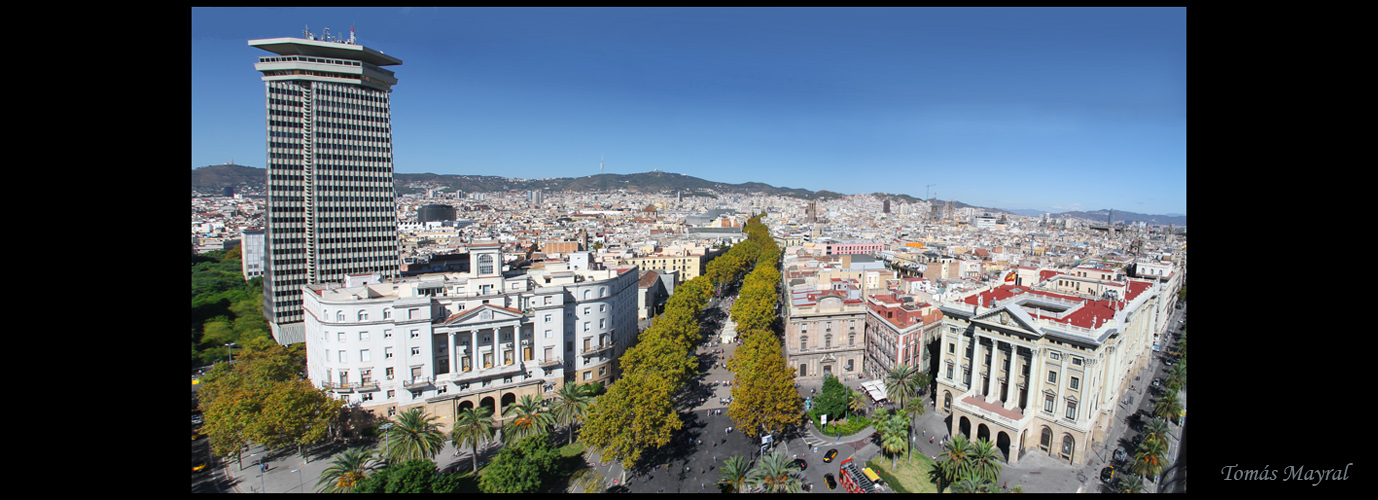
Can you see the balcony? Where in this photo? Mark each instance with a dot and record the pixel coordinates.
(590, 350)
(551, 363)
(416, 382)
(346, 387)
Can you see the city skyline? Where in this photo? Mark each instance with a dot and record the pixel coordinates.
(1045, 109)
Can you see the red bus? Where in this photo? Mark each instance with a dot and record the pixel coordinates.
(853, 480)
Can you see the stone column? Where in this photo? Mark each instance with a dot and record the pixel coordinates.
(454, 355)
(473, 350)
(1012, 397)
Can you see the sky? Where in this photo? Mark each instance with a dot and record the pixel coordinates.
(1049, 109)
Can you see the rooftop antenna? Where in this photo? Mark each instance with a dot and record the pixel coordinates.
(326, 35)
(307, 33)
(600, 164)
(351, 35)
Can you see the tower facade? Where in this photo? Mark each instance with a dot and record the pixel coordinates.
(330, 201)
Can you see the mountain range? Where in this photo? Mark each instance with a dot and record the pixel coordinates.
(215, 178)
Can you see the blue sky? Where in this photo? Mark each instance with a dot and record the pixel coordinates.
(1051, 109)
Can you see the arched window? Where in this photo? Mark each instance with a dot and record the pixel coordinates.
(363, 316)
(1068, 446)
(485, 264)
(587, 294)
(339, 316)
(1046, 439)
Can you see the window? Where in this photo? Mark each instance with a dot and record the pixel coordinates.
(588, 375)
(1052, 377)
(365, 356)
(340, 336)
(387, 313)
(602, 324)
(547, 302)
(949, 372)
(803, 343)
(363, 336)
(586, 326)
(1054, 356)
(547, 317)
(602, 307)
(343, 358)
(827, 341)
(1076, 361)
(547, 334)
(442, 388)
(951, 348)
(363, 316)
(849, 365)
(415, 351)
(392, 410)
(851, 339)
(1073, 383)
(485, 264)
(339, 316)
(803, 370)
(586, 310)
(415, 394)
(388, 373)
(1072, 410)
(387, 334)
(1048, 403)
(488, 360)
(600, 371)
(415, 334)
(387, 354)
(367, 396)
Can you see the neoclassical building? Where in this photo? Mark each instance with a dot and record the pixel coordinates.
(1039, 371)
(451, 341)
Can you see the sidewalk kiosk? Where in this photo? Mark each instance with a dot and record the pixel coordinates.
(853, 480)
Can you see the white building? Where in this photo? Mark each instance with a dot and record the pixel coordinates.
(251, 253)
(451, 341)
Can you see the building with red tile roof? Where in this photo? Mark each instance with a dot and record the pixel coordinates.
(1041, 367)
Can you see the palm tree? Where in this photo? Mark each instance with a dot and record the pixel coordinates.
(346, 470)
(972, 485)
(856, 402)
(894, 432)
(956, 459)
(1156, 429)
(572, 401)
(472, 427)
(733, 472)
(901, 382)
(1131, 483)
(985, 460)
(1168, 407)
(1149, 460)
(913, 409)
(527, 419)
(775, 474)
(414, 435)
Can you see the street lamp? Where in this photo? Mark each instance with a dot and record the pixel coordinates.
(230, 347)
(386, 441)
(301, 483)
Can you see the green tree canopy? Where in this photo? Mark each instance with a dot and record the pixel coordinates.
(521, 467)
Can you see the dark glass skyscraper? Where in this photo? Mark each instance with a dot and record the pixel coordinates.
(331, 207)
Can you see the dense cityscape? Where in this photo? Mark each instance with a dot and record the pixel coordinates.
(346, 337)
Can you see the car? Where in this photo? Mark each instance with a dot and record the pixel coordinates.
(801, 464)
(829, 456)
(198, 467)
(1121, 454)
(832, 483)
(1157, 382)
(196, 418)
(1107, 474)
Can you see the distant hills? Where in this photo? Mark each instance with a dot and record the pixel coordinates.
(214, 179)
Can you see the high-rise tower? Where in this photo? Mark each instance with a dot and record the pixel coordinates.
(331, 207)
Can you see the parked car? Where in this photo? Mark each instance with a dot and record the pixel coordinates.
(832, 483)
(1107, 474)
(829, 456)
(1121, 454)
(801, 464)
